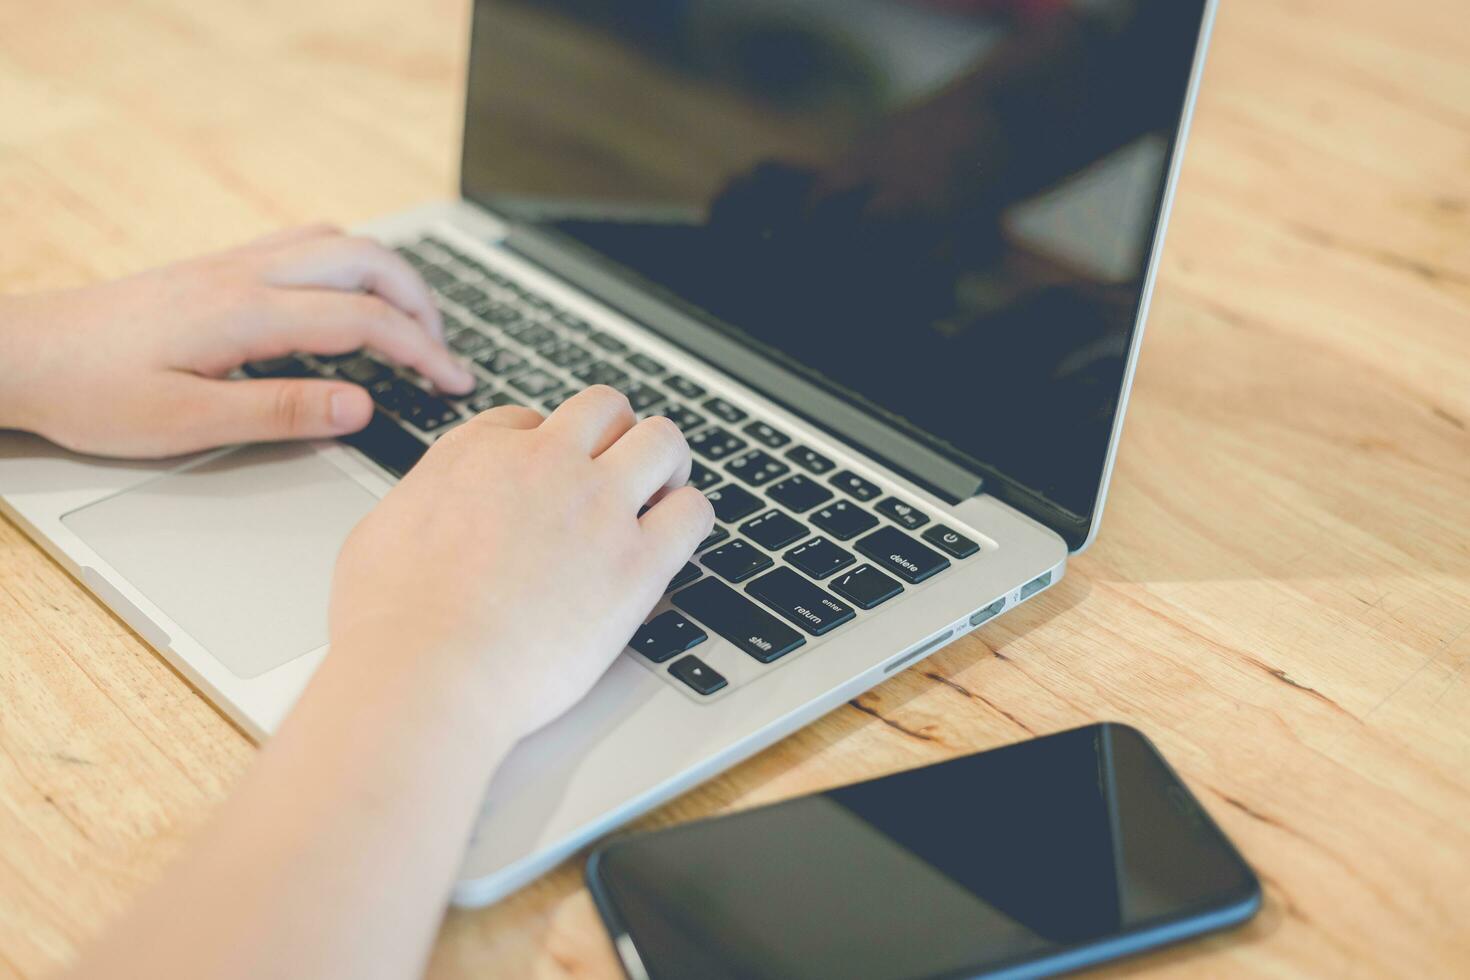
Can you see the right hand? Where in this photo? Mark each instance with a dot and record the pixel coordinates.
(511, 565)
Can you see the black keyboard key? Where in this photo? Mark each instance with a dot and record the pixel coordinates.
(843, 520)
(800, 601)
(535, 383)
(684, 418)
(819, 558)
(683, 577)
(573, 323)
(896, 552)
(439, 279)
(757, 467)
(799, 494)
(766, 435)
(601, 373)
(810, 460)
(866, 587)
(484, 401)
(714, 537)
(736, 561)
(644, 363)
(496, 312)
(280, 367)
(536, 336)
(607, 342)
(856, 485)
(464, 294)
(394, 394)
(555, 401)
(733, 502)
(739, 620)
(565, 354)
(701, 477)
(698, 675)
(722, 409)
(951, 541)
(906, 515)
(364, 371)
(429, 414)
(715, 443)
(665, 635)
(684, 386)
(642, 396)
(467, 341)
(386, 443)
(501, 362)
(773, 530)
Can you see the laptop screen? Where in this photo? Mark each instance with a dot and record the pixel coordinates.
(941, 211)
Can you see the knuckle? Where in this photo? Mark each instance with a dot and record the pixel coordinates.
(609, 395)
(453, 440)
(289, 409)
(665, 430)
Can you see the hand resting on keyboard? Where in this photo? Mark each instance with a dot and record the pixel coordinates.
(139, 367)
(482, 597)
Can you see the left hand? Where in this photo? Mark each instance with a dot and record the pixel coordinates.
(138, 367)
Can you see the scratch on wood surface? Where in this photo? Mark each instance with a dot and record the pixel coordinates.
(896, 726)
(1420, 268)
(1454, 420)
(1290, 681)
(956, 686)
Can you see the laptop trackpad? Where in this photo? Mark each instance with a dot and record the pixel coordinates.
(238, 550)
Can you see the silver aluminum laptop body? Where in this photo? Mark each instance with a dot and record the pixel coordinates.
(222, 562)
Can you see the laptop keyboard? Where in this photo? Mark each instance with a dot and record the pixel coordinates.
(800, 547)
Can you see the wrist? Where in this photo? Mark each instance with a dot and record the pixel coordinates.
(20, 366)
(439, 678)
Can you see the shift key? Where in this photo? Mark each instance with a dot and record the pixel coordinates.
(737, 619)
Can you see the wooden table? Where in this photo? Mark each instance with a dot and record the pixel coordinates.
(1281, 593)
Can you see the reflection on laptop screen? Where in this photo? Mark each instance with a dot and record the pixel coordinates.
(942, 207)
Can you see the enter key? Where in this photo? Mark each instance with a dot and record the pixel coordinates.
(812, 608)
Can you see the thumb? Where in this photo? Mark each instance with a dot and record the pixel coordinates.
(277, 409)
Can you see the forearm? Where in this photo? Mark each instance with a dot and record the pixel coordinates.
(336, 855)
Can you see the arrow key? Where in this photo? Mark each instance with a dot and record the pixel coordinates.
(697, 674)
(665, 635)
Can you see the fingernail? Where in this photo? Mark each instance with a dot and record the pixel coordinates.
(338, 411)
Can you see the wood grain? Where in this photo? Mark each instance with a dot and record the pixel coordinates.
(1281, 592)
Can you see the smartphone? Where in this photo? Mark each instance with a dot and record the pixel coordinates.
(1046, 856)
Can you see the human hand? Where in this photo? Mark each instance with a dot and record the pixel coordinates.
(511, 565)
(138, 367)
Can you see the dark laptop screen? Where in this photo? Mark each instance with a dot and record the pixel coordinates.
(941, 210)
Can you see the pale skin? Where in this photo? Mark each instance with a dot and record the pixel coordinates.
(335, 855)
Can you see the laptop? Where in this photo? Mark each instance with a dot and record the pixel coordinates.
(885, 262)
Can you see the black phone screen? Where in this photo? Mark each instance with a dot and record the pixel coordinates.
(1056, 852)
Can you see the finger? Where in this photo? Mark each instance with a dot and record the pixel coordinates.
(349, 262)
(651, 456)
(593, 419)
(511, 417)
(674, 527)
(270, 410)
(318, 321)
